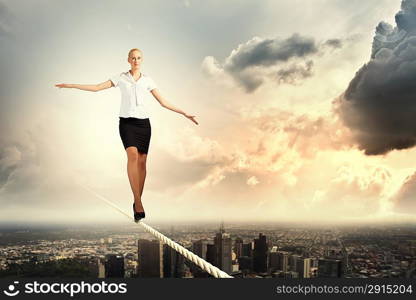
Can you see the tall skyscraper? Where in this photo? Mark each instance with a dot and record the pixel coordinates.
(283, 261)
(274, 259)
(238, 247)
(247, 249)
(302, 266)
(222, 242)
(307, 262)
(212, 254)
(294, 259)
(330, 268)
(114, 265)
(200, 248)
(260, 254)
(150, 256)
(173, 263)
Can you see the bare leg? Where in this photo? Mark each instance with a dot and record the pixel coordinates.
(141, 166)
(136, 170)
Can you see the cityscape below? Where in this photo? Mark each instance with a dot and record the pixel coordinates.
(241, 250)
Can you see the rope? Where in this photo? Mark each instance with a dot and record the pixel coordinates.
(206, 266)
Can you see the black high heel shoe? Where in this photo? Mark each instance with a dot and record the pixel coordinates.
(138, 215)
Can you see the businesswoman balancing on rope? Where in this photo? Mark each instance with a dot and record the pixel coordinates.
(134, 123)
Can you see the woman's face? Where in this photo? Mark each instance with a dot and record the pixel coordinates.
(135, 59)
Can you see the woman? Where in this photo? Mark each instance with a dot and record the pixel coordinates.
(134, 123)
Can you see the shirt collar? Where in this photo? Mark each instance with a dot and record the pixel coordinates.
(131, 77)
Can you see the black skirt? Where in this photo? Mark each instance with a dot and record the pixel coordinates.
(135, 132)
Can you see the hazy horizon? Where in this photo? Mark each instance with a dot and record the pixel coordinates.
(215, 224)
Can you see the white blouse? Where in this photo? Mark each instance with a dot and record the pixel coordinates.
(133, 94)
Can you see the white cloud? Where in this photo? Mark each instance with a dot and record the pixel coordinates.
(252, 181)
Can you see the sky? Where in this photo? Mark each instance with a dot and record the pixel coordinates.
(305, 110)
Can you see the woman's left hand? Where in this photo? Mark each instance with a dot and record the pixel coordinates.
(192, 118)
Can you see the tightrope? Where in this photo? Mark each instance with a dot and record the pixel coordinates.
(206, 266)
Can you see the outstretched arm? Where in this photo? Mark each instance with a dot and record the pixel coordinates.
(165, 104)
(87, 87)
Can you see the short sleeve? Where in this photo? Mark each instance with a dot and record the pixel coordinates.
(150, 84)
(115, 79)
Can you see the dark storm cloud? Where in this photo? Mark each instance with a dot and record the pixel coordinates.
(295, 72)
(290, 60)
(379, 105)
(335, 43)
(405, 19)
(258, 52)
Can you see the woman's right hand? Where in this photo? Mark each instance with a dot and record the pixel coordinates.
(63, 85)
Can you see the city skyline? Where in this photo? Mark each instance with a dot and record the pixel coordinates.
(247, 252)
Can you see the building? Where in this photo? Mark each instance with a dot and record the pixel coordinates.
(294, 260)
(150, 258)
(260, 254)
(223, 251)
(200, 248)
(303, 267)
(101, 268)
(273, 259)
(238, 247)
(173, 263)
(247, 249)
(330, 268)
(245, 264)
(283, 261)
(211, 254)
(114, 265)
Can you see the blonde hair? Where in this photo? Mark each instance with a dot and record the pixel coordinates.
(134, 49)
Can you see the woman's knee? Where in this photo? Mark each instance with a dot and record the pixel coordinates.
(132, 154)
